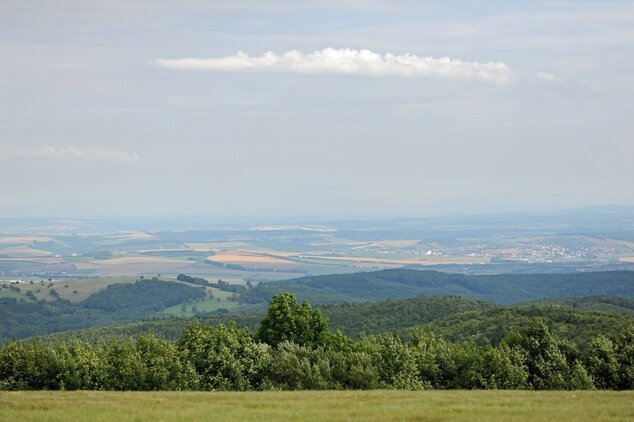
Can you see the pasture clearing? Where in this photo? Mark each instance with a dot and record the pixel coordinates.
(66, 288)
(390, 405)
(15, 295)
(133, 265)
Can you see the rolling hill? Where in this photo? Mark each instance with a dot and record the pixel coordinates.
(452, 317)
(404, 283)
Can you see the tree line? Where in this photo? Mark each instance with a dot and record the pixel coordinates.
(294, 349)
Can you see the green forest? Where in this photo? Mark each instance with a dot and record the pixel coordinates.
(22, 316)
(451, 317)
(404, 283)
(294, 348)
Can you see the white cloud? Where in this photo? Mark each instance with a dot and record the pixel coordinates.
(70, 153)
(346, 61)
(548, 77)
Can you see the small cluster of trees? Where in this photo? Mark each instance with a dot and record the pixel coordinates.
(294, 349)
(220, 285)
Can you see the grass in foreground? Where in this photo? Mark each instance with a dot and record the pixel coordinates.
(308, 405)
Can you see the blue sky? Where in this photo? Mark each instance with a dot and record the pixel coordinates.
(354, 111)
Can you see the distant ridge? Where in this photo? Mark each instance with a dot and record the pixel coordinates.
(405, 283)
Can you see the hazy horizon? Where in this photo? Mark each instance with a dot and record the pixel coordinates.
(317, 110)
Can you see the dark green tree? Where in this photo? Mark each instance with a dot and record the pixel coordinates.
(552, 363)
(224, 358)
(610, 360)
(287, 320)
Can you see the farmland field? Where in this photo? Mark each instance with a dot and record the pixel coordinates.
(326, 405)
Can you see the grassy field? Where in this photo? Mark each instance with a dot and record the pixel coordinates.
(15, 295)
(328, 405)
(74, 290)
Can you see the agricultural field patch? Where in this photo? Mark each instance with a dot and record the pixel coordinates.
(23, 239)
(246, 258)
(23, 251)
(388, 244)
(207, 246)
(383, 262)
(34, 260)
(132, 265)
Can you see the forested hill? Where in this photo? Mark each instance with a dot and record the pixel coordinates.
(610, 304)
(451, 317)
(22, 316)
(403, 283)
(116, 303)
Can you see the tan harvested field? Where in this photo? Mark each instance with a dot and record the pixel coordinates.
(24, 239)
(86, 266)
(246, 258)
(24, 251)
(391, 405)
(35, 260)
(84, 287)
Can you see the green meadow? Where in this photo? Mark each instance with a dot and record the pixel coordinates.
(386, 405)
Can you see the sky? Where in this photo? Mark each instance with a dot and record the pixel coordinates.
(314, 108)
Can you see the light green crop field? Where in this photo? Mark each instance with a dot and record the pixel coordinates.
(325, 406)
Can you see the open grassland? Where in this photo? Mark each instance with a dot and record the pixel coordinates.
(74, 290)
(15, 295)
(327, 405)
